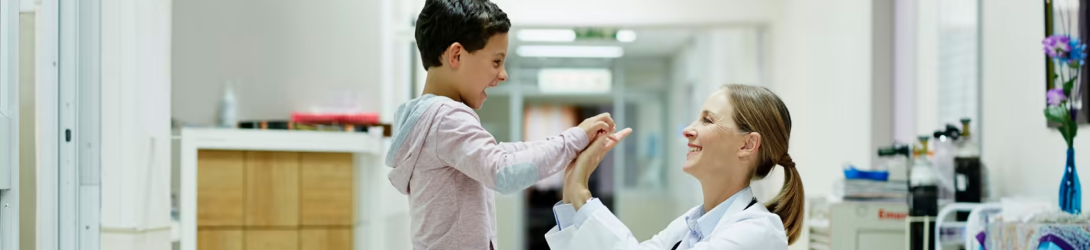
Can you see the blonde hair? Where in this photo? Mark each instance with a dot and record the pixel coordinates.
(757, 109)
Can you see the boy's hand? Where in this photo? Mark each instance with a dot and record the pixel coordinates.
(577, 174)
(600, 123)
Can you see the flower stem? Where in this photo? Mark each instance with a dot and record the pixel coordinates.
(1063, 77)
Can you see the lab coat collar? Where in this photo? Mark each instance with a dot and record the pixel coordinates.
(744, 197)
(741, 200)
(703, 223)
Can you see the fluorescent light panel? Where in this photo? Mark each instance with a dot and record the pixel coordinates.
(626, 36)
(572, 81)
(567, 51)
(546, 35)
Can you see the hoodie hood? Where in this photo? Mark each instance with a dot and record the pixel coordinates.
(412, 122)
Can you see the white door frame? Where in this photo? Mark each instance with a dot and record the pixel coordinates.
(68, 118)
(79, 111)
(46, 114)
(9, 125)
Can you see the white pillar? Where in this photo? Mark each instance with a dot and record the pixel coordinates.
(135, 187)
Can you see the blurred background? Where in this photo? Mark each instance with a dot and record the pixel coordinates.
(243, 124)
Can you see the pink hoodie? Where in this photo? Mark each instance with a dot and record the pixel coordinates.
(450, 166)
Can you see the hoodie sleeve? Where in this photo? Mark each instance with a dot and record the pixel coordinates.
(507, 168)
(520, 146)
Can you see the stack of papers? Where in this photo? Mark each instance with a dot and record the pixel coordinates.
(870, 190)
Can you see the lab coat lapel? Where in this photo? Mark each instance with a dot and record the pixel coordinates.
(744, 198)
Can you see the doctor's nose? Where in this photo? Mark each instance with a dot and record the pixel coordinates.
(689, 132)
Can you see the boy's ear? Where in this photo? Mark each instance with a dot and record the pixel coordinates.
(454, 55)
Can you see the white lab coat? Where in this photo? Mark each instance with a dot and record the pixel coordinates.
(739, 228)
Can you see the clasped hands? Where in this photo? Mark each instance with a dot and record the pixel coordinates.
(577, 174)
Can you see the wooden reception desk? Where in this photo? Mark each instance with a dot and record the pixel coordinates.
(275, 190)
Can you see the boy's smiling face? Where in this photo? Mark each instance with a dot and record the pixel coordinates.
(479, 70)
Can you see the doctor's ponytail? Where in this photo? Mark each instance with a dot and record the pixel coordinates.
(757, 109)
(790, 202)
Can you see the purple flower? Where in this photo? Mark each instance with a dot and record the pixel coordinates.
(1055, 96)
(1057, 46)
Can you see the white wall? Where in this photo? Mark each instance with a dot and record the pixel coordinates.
(287, 55)
(1023, 155)
(821, 67)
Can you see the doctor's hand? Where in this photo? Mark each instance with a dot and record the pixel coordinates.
(577, 175)
(598, 124)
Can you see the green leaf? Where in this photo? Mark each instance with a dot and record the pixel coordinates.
(1063, 131)
(1056, 114)
(1052, 83)
(1070, 83)
(1074, 130)
(1068, 130)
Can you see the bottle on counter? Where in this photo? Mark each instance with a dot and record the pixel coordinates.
(923, 201)
(896, 159)
(944, 147)
(968, 172)
(229, 107)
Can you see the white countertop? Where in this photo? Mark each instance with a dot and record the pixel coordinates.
(281, 140)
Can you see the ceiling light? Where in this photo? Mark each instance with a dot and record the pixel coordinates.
(546, 35)
(570, 51)
(626, 36)
(570, 81)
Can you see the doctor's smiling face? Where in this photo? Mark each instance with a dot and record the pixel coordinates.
(717, 147)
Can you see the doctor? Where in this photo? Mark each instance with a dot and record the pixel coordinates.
(741, 133)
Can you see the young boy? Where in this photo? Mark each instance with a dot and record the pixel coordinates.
(442, 157)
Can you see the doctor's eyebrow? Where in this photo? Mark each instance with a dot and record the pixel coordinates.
(709, 114)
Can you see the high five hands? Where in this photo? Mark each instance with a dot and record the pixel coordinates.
(577, 174)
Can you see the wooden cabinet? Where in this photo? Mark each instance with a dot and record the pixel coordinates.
(229, 239)
(328, 239)
(271, 200)
(327, 189)
(272, 188)
(272, 239)
(219, 188)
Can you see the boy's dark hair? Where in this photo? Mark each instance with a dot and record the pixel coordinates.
(468, 22)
